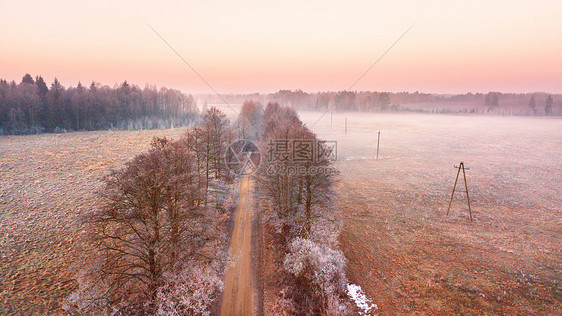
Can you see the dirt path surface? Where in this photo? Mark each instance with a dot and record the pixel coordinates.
(239, 286)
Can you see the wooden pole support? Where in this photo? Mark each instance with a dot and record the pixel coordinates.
(453, 193)
(466, 187)
(461, 166)
(378, 142)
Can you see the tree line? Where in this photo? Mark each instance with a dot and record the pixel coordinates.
(31, 107)
(157, 243)
(300, 220)
(379, 101)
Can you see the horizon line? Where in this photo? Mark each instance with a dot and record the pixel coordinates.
(230, 93)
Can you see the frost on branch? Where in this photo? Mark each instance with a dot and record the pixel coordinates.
(317, 266)
(190, 292)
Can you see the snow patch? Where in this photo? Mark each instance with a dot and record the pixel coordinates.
(355, 292)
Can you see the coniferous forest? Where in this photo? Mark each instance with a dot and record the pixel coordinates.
(33, 106)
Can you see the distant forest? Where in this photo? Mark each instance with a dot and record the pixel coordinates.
(493, 103)
(33, 107)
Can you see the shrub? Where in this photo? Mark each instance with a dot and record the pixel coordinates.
(318, 268)
(191, 291)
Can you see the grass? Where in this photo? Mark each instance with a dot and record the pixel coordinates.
(46, 182)
(411, 258)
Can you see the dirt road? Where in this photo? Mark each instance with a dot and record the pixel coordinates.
(239, 286)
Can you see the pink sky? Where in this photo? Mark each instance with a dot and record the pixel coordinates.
(265, 46)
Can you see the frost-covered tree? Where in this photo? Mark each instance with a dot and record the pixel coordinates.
(190, 290)
(208, 142)
(299, 195)
(384, 100)
(298, 201)
(533, 104)
(318, 269)
(99, 107)
(548, 105)
(152, 223)
(492, 100)
(248, 121)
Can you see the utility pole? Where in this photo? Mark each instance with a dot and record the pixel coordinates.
(378, 142)
(460, 166)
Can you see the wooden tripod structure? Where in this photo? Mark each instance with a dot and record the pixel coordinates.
(461, 166)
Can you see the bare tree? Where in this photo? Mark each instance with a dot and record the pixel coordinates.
(318, 269)
(298, 199)
(492, 100)
(299, 195)
(548, 105)
(208, 142)
(249, 120)
(153, 220)
(533, 104)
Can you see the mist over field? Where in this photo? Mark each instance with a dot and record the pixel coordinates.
(403, 249)
(281, 158)
(518, 155)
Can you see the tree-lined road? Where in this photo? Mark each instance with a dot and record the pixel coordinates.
(239, 285)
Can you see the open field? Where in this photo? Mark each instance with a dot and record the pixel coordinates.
(46, 181)
(402, 249)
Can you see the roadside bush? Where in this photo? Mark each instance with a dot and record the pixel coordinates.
(318, 269)
(191, 291)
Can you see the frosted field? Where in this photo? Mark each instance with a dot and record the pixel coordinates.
(404, 251)
(46, 182)
(514, 161)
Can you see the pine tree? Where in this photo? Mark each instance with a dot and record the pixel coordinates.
(27, 79)
(42, 88)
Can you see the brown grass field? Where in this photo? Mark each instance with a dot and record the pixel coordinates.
(46, 181)
(402, 250)
(412, 259)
